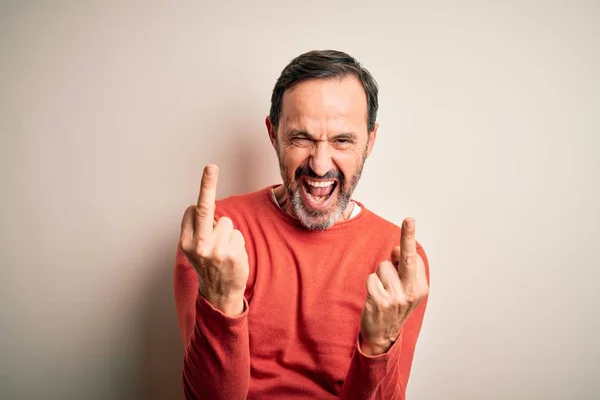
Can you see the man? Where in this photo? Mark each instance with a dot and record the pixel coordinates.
(296, 291)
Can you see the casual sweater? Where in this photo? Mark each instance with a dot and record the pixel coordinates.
(299, 334)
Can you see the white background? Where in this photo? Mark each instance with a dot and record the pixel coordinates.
(489, 137)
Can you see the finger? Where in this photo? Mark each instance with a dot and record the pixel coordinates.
(408, 243)
(238, 245)
(416, 287)
(375, 288)
(396, 256)
(205, 210)
(237, 239)
(187, 230)
(388, 275)
(407, 267)
(221, 237)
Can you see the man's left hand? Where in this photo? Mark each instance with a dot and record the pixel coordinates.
(393, 292)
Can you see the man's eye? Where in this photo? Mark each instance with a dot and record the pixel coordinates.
(343, 142)
(301, 141)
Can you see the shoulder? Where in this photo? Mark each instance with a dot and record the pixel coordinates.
(242, 204)
(372, 221)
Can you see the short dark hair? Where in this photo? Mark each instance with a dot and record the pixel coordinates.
(324, 64)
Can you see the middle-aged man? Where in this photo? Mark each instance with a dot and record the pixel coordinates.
(298, 291)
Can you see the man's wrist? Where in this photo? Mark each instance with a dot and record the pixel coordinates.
(232, 306)
(375, 348)
(229, 307)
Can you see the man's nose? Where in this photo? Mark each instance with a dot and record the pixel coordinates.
(320, 160)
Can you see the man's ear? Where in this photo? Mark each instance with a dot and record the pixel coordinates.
(371, 139)
(271, 131)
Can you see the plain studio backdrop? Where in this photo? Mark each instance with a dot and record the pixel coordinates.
(489, 137)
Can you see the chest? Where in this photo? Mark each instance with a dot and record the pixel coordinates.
(309, 296)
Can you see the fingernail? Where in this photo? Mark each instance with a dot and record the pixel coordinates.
(410, 223)
(210, 170)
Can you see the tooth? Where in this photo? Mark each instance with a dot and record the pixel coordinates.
(319, 184)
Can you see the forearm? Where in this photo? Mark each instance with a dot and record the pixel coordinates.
(217, 357)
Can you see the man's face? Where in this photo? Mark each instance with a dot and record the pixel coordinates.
(322, 143)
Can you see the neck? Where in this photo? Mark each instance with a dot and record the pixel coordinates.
(285, 204)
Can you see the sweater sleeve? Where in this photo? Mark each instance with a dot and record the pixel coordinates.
(385, 376)
(216, 347)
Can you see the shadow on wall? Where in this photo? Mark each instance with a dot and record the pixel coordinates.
(161, 350)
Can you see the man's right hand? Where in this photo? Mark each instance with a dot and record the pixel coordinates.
(215, 250)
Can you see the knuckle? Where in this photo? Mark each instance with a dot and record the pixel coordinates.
(410, 299)
(202, 250)
(371, 282)
(416, 293)
(190, 209)
(382, 303)
(400, 300)
(384, 266)
(223, 255)
(219, 256)
(185, 247)
(411, 294)
(226, 221)
(425, 290)
(202, 211)
(409, 260)
(408, 237)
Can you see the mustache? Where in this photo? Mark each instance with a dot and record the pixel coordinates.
(305, 170)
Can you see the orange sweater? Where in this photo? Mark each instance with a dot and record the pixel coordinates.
(298, 337)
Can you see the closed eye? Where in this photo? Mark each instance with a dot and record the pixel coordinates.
(343, 142)
(301, 140)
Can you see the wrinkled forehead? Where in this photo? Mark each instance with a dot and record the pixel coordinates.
(334, 104)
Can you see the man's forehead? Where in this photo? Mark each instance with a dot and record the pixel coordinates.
(325, 99)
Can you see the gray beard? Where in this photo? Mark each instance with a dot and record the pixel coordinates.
(318, 220)
(311, 219)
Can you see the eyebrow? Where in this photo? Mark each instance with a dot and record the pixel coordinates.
(297, 132)
(302, 133)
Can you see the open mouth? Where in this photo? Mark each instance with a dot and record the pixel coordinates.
(318, 193)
